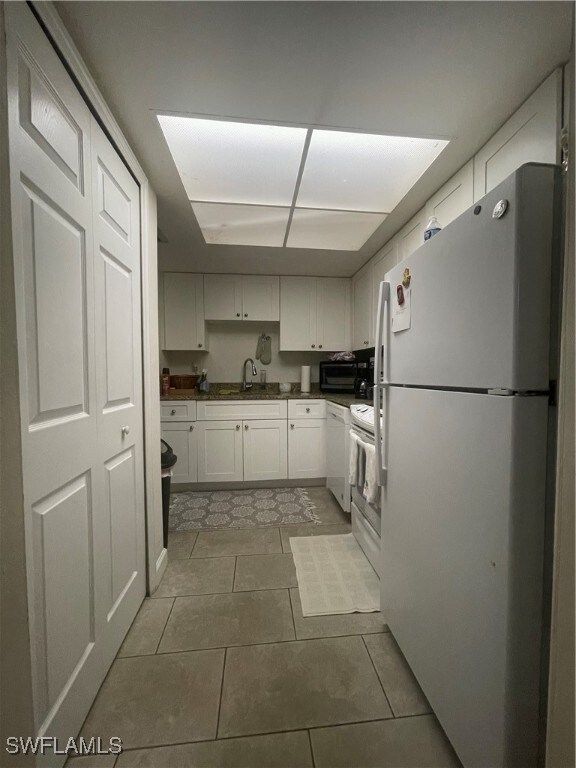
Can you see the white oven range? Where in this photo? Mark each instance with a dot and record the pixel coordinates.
(366, 515)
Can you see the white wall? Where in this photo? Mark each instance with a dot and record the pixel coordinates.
(231, 343)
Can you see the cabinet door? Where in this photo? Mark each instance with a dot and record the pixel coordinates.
(362, 290)
(306, 448)
(455, 197)
(260, 297)
(298, 304)
(384, 261)
(181, 437)
(265, 450)
(222, 297)
(183, 311)
(333, 313)
(529, 136)
(219, 451)
(411, 236)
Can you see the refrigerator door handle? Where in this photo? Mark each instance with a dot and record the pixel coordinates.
(380, 382)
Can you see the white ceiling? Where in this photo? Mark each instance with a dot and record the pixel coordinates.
(449, 69)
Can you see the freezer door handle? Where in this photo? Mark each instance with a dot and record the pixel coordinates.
(380, 380)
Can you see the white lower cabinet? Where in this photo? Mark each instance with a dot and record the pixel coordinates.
(181, 437)
(265, 449)
(306, 448)
(219, 451)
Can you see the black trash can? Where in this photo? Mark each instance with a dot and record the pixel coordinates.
(168, 458)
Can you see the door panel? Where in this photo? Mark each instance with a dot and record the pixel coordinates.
(64, 595)
(298, 308)
(307, 448)
(77, 280)
(333, 317)
(260, 297)
(181, 437)
(223, 297)
(265, 450)
(57, 330)
(119, 390)
(219, 451)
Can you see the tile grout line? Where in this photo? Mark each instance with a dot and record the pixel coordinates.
(311, 749)
(221, 692)
(378, 676)
(165, 625)
(292, 612)
(252, 645)
(299, 729)
(234, 574)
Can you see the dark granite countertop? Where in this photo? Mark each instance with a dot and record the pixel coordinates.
(270, 392)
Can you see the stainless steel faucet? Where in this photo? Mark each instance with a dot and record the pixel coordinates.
(248, 384)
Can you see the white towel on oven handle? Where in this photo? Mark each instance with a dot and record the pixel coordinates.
(371, 487)
(353, 465)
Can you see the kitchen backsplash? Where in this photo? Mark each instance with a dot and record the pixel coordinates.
(230, 344)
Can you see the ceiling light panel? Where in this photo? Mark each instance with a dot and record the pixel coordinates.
(242, 224)
(235, 162)
(332, 230)
(358, 171)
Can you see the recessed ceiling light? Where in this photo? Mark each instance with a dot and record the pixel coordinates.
(244, 179)
(333, 230)
(364, 172)
(230, 162)
(242, 224)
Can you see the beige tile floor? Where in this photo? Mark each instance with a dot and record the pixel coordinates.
(221, 670)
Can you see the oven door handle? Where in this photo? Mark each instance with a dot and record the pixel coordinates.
(380, 382)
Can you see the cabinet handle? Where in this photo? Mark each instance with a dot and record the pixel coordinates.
(313, 346)
(291, 426)
(319, 346)
(125, 431)
(199, 345)
(237, 426)
(307, 410)
(191, 427)
(246, 314)
(237, 314)
(173, 412)
(245, 426)
(366, 343)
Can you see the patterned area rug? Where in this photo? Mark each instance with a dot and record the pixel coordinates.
(195, 510)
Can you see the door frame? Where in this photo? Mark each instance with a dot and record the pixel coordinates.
(156, 554)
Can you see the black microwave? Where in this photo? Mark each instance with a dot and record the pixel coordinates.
(338, 376)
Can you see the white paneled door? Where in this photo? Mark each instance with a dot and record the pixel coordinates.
(76, 240)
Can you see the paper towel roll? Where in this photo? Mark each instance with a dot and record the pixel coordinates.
(305, 379)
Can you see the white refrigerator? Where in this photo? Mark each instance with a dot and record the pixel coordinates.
(463, 370)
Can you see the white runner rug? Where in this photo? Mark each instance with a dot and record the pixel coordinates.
(334, 576)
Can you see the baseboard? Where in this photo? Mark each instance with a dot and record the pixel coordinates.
(302, 483)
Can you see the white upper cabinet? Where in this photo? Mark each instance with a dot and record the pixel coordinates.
(333, 313)
(455, 197)
(297, 313)
(242, 297)
(530, 135)
(411, 236)
(222, 297)
(183, 311)
(314, 314)
(362, 302)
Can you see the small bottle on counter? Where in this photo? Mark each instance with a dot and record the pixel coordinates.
(165, 381)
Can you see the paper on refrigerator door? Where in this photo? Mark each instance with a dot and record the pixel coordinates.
(401, 312)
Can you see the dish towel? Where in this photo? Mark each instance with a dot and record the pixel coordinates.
(371, 488)
(264, 349)
(353, 467)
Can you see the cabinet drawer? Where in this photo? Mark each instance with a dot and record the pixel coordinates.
(306, 409)
(178, 410)
(223, 410)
